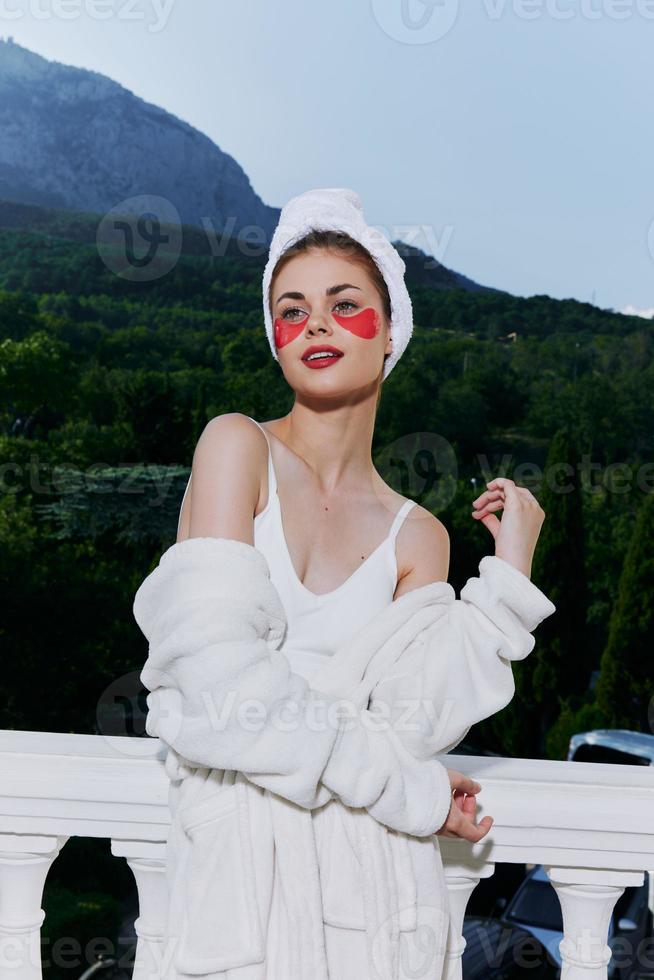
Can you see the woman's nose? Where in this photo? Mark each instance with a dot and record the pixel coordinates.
(316, 324)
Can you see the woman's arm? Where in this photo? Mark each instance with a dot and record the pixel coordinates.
(225, 479)
(459, 671)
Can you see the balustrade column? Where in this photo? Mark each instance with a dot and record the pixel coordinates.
(587, 897)
(462, 877)
(25, 860)
(148, 863)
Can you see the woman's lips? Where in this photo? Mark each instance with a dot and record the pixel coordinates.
(322, 362)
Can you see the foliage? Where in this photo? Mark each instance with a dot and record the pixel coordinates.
(107, 384)
(624, 689)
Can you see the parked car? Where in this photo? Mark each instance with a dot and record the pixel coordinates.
(535, 907)
(500, 950)
(498, 946)
(634, 910)
(618, 745)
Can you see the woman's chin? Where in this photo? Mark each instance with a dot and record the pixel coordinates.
(334, 388)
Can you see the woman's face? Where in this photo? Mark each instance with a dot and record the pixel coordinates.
(332, 303)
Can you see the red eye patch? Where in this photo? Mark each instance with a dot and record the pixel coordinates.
(364, 324)
(286, 331)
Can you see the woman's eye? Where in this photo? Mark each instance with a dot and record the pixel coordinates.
(289, 313)
(292, 309)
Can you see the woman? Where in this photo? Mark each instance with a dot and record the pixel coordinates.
(340, 543)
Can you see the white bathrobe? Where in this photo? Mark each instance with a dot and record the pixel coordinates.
(295, 804)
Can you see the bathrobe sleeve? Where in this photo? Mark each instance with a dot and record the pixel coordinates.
(458, 671)
(222, 697)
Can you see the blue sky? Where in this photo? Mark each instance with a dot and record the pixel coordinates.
(512, 139)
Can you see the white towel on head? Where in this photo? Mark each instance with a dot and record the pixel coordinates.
(341, 209)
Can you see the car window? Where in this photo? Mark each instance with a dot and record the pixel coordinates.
(537, 904)
(633, 901)
(602, 753)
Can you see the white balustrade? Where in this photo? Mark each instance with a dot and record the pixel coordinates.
(590, 825)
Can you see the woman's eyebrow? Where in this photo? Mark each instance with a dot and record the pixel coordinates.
(331, 291)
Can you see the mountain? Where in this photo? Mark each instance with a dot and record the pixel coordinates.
(75, 139)
(425, 270)
(28, 228)
(75, 144)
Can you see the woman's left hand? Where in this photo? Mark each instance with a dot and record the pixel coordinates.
(517, 533)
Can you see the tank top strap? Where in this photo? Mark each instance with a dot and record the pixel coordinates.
(181, 506)
(399, 519)
(272, 476)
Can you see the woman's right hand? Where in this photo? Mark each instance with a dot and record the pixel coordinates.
(461, 818)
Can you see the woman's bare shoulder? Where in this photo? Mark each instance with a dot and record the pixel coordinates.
(230, 425)
(422, 546)
(225, 481)
(423, 550)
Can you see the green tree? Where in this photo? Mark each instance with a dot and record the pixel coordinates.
(560, 664)
(37, 382)
(625, 686)
(18, 315)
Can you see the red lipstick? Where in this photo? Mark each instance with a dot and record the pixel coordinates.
(330, 355)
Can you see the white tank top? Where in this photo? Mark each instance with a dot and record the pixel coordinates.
(317, 624)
